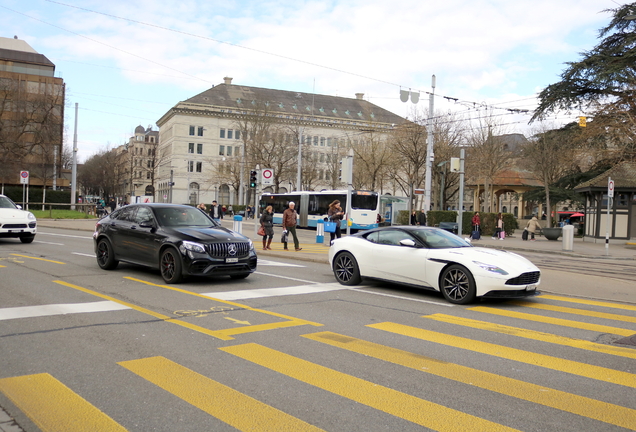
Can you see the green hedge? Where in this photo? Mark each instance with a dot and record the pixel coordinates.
(35, 195)
(434, 217)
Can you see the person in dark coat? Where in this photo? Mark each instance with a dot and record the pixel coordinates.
(335, 214)
(413, 218)
(267, 222)
(421, 218)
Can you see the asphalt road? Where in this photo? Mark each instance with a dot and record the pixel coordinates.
(290, 349)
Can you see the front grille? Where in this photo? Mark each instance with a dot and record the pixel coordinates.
(525, 279)
(222, 250)
(13, 226)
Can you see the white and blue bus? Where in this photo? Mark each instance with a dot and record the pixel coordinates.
(313, 206)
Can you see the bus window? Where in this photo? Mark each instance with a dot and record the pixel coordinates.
(364, 202)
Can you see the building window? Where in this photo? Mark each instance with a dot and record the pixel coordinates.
(238, 134)
(190, 166)
(200, 131)
(315, 140)
(199, 165)
(199, 148)
(221, 150)
(149, 164)
(230, 132)
(152, 139)
(322, 157)
(190, 147)
(191, 130)
(148, 175)
(229, 151)
(322, 141)
(237, 151)
(222, 133)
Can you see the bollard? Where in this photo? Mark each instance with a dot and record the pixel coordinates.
(238, 224)
(568, 237)
(320, 231)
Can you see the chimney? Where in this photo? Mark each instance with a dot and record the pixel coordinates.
(228, 80)
(360, 96)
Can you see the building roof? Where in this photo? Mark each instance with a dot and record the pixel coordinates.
(623, 174)
(292, 103)
(19, 51)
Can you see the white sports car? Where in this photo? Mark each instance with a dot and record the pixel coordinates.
(433, 259)
(15, 222)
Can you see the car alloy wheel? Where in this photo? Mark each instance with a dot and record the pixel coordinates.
(345, 268)
(105, 256)
(458, 285)
(170, 266)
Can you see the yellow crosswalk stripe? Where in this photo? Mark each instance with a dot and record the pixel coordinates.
(228, 405)
(54, 407)
(535, 335)
(402, 405)
(583, 406)
(589, 302)
(556, 321)
(562, 365)
(574, 311)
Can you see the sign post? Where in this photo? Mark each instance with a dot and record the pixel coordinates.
(610, 196)
(24, 180)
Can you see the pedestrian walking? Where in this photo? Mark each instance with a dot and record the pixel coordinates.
(413, 218)
(215, 211)
(267, 222)
(421, 218)
(230, 209)
(532, 226)
(290, 218)
(112, 204)
(335, 214)
(476, 222)
(499, 227)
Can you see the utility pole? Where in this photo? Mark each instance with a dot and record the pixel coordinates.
(429, 149)
(74, 169)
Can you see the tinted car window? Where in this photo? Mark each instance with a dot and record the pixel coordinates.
(372, 237)
(440, 239)
(144, 215)
(127, 214)
(180, 217)
(392, 237)
(6, 203)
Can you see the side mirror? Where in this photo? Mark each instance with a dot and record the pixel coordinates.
(408, 242)
(146, 224)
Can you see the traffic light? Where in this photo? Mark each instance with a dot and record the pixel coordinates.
(252, 179)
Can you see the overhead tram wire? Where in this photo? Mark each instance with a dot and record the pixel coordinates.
(252, 49)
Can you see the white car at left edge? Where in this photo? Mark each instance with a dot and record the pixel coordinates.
(15, 222)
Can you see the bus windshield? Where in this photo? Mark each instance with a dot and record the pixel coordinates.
(364, 202)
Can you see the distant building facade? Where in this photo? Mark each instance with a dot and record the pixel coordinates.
(31, 116)
(200, 135)
(138, 160)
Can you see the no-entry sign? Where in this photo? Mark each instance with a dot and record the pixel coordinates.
(267, 176)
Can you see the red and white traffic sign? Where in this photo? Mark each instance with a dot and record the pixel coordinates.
(24, 177)
(610, 188)
(267, 176)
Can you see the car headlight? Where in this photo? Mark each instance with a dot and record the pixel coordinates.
(491, 268)
(191, 246)
(251, 244)
(31, 216)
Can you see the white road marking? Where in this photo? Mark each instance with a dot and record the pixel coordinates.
(286, 277)
(262, 262)
(58, 244)
(66, 235)
(275, 292)
(83, 254)
(59, 309)
(406, 298)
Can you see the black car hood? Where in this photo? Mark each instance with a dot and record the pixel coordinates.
(211, 235)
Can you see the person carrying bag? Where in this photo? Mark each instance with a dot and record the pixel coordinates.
(335, 215)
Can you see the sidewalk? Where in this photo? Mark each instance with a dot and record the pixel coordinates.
(317, 252)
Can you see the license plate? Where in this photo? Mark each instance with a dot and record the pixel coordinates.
(231, 260)
(531, 287)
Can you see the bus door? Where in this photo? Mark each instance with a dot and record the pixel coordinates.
(302, 209)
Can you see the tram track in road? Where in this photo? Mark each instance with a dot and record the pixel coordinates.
(588, 266)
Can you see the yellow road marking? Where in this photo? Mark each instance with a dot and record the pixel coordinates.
(54, 407)
(535, 335)
(583, 406)
(556, 321)
(402, 405)
(225, 334)
(562, 365)
(228, 405)
(574, 311)
(40, 259)
(589, 302)
(1, 266)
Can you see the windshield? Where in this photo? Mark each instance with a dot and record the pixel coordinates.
(439, 238)
(364, 202)
(183, 217)
(6, 203)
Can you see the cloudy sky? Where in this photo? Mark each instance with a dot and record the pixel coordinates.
(127, 62)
